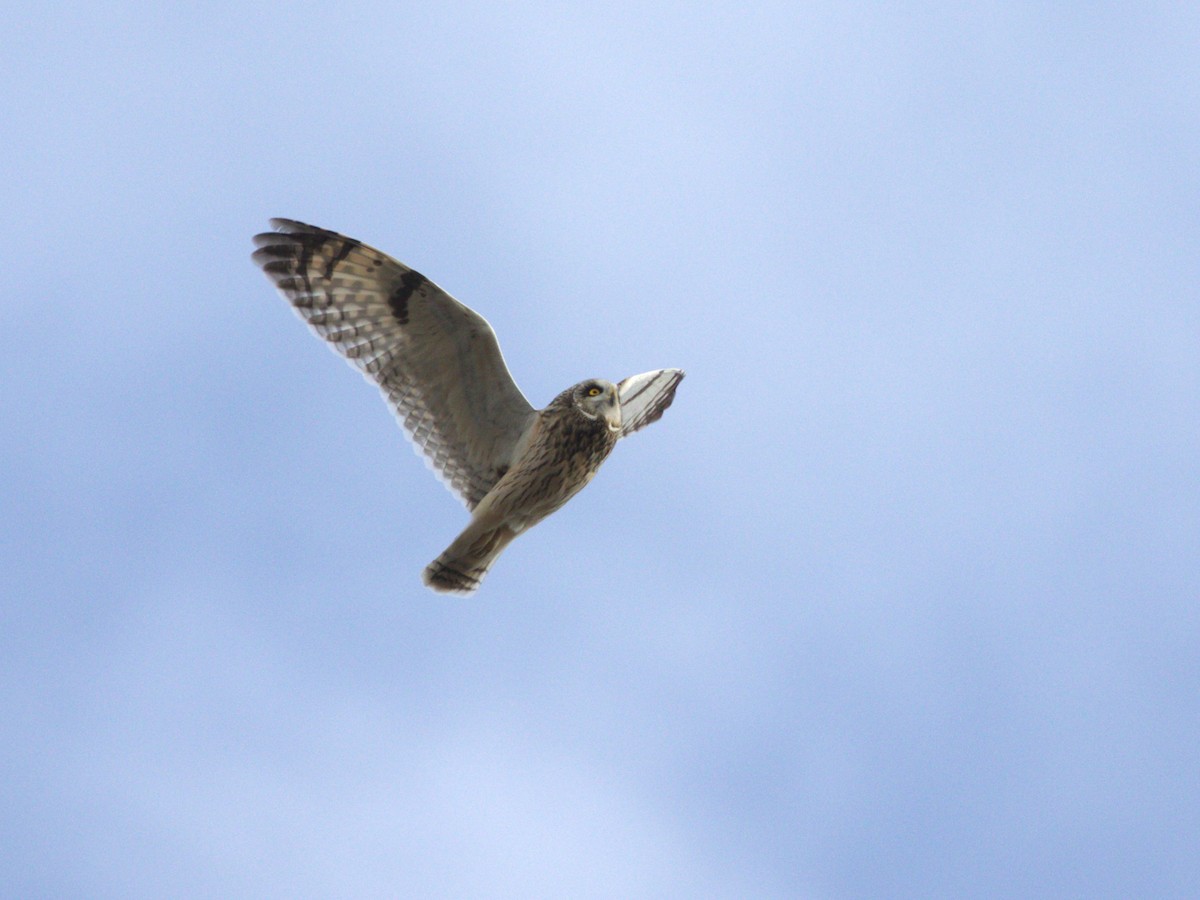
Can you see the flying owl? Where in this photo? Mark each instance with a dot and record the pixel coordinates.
(439, 367)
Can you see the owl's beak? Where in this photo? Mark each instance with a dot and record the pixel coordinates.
(612, 412)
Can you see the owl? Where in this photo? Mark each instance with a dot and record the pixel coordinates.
(438, 365)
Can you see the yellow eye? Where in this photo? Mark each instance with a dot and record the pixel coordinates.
(594, 391)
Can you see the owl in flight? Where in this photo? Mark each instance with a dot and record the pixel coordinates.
(439, 367)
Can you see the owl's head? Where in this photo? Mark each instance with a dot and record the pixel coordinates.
(597, 399)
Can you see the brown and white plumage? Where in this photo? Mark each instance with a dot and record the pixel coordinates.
(439, 367)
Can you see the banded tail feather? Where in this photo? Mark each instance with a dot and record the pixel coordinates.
(461, 566)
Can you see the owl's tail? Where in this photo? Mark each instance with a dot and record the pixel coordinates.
(462, 565)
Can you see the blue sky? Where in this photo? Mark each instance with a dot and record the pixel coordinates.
(899, 599)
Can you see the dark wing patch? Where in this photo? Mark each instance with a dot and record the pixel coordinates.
(410, 283)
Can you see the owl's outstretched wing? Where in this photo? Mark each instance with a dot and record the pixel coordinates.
(645, 397)
(437, 363)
